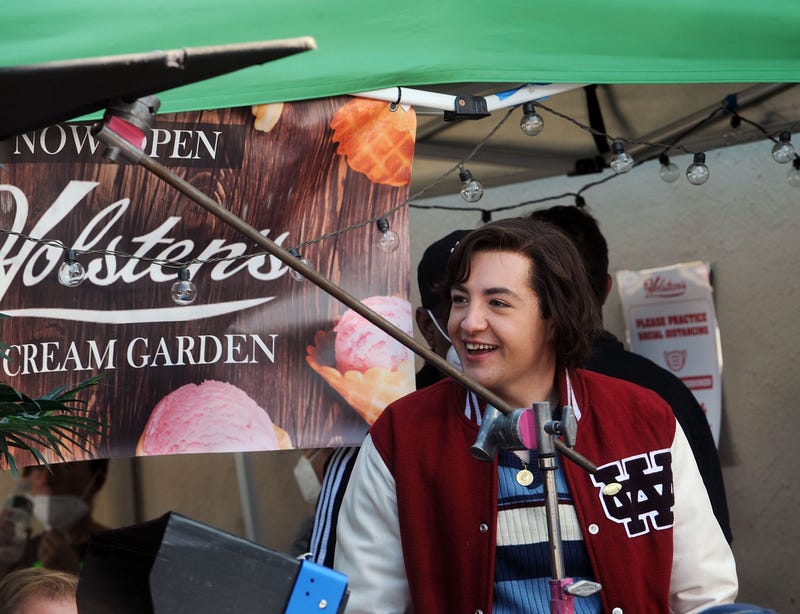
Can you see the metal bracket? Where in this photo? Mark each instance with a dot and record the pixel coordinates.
(467, 107)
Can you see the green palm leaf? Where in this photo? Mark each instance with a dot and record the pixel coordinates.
(51, 422)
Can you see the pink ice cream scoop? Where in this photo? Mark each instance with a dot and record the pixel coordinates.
(360, 345)
(212, 417)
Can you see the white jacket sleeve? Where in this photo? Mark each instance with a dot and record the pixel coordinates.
(368, 546)
(703, 568)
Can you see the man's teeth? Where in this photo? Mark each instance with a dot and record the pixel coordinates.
(477, 347)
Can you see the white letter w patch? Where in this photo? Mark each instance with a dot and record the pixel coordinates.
(646, 492)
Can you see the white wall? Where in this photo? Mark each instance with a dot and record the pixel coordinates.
(746, 222)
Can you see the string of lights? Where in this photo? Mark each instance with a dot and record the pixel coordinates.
(71, 273)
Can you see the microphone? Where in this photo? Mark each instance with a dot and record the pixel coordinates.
(522, 429)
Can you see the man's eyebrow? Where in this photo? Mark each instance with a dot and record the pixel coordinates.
(499, 290)
(488, 291)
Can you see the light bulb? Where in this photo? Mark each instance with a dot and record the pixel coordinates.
(293, 273)
(793, 176)
(471, 189)
(698, 173)
(669, 171)
(184, 291)
(71, 273)
(783, 150)
(531, 123)
(388, 240)
(621, 161)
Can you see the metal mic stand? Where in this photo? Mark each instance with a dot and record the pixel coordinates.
(562, 589)
(536, 430)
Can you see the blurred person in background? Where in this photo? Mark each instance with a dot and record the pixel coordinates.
(63, 499)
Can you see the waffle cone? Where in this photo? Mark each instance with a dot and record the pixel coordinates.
(367, 392)
(375, 141)
(284, 441)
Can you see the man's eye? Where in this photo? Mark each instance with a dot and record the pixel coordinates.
(458, 299)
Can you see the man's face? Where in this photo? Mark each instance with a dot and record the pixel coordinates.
(61, 479)
(498, 331)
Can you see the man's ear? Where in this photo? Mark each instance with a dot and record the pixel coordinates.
(426, 326)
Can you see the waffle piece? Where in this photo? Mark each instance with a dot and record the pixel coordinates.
(375, 141)
(266, 115)
(367, 392)
(284, 440)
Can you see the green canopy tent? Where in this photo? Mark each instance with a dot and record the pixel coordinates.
(364, 45)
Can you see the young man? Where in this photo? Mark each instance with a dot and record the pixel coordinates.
(425, 527)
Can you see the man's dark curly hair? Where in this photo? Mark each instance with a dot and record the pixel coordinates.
(558, 278)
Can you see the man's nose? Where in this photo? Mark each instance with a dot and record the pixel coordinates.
(474, 318)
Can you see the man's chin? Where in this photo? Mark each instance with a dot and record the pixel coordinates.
(479, 376)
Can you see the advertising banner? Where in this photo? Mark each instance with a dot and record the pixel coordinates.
(258, 361)
(670, 317)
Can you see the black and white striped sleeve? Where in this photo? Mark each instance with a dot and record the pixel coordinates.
(334, 482)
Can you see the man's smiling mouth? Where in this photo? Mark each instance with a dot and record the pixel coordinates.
(477, 348)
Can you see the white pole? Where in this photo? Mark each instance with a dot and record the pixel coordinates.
(526, 93)
(446, 102)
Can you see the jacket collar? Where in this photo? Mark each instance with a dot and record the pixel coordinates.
(568, 389)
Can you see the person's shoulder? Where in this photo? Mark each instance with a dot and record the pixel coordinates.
(615, 392)
(619, 405)
(612, 359)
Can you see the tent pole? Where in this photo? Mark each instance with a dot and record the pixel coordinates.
(666, 134)
(446, 102)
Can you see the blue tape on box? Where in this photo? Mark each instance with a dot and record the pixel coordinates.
(317, 589)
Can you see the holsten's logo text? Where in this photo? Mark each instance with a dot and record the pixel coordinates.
(663, 288)
(35, 262)
(174, 144)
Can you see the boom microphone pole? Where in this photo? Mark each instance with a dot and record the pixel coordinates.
(123, 126)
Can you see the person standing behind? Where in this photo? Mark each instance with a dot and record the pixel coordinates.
(610, 357)
(431, 315)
